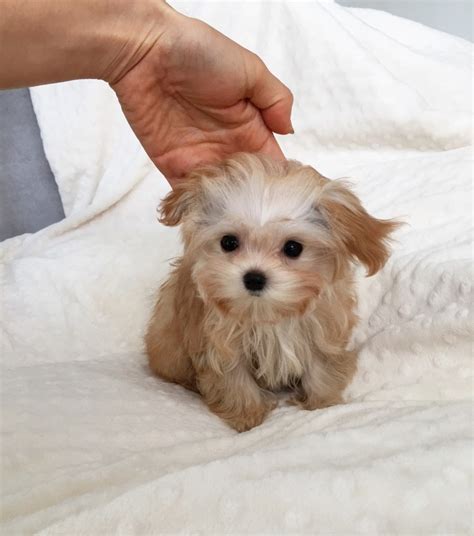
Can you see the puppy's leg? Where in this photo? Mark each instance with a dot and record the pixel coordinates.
(324, 380)
(168, 359)
(234, 396)
(165, 343)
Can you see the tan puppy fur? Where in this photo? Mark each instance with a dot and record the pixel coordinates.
(238, 346)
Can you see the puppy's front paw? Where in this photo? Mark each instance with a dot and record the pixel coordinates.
(250, 416)
(313, 402)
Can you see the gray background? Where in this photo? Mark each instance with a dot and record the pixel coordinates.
(29, 198)
(452, 16)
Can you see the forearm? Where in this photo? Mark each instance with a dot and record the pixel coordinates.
(45, 41)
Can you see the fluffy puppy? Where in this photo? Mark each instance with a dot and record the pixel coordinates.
(263, 296)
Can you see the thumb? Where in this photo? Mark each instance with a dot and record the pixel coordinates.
(272, 98)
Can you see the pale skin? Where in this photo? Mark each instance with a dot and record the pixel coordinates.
(190, 94)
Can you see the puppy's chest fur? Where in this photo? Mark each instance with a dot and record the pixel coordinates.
(277, 354)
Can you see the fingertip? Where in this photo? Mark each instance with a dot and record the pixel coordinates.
(274, 100)
(287, 108)
(278, 118)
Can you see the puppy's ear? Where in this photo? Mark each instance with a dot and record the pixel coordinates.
(178, 202)
(363, 236)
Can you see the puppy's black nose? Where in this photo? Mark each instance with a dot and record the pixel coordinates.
(254, 280)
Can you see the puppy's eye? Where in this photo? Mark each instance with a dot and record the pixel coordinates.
(229, 242)
(292, 248)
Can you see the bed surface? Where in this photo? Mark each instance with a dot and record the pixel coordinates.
(93, 444)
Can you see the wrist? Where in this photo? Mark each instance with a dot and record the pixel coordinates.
(134, 28)
(54, 41)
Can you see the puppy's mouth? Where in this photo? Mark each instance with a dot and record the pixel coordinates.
(256, 293)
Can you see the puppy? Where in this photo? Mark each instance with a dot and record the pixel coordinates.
(263, 296)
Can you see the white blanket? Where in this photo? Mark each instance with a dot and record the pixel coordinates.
(93, 444)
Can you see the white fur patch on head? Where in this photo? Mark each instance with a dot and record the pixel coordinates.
(256, 195)
(258, 202)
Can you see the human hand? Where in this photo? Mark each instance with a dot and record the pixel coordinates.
(193, 96)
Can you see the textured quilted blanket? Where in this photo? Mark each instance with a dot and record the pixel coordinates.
(93, 444)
